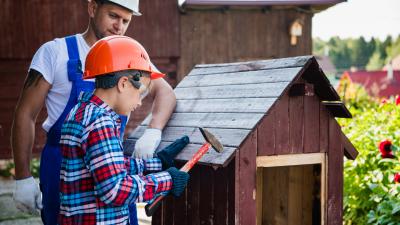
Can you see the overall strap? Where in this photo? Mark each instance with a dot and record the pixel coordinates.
(74, 65)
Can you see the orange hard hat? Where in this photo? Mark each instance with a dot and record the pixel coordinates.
(117, 53)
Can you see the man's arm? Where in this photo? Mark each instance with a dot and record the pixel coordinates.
(163, 105)
(28, 108)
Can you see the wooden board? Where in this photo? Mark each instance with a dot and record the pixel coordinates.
(290, 160)
(213, 120)
(335, 175)
(247, 174)
(282, 126)
(266, 135)
(227, 137)
(311, 124)
(231, 105)
(247, 77)
(251, 65)
(211, 158)
(259, 90)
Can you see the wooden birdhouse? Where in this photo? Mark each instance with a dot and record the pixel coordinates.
(283, 157)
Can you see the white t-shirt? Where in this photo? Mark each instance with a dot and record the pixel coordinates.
(51, 61)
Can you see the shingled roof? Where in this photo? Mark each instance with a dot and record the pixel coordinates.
(230, 100)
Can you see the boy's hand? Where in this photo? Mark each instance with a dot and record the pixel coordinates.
(168, 154)
(147, 144)
(27, 196)
(179, 181)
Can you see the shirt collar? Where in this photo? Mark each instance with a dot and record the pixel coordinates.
(89, 97)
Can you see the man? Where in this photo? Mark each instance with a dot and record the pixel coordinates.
(55, 79)
(98, 182)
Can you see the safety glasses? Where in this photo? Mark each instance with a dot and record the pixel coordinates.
(135, 81)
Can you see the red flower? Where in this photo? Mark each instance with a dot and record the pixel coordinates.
(396, 178)
(385, 147)
(398, 100)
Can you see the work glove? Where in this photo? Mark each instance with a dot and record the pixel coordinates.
(179, 181)
(147, 144)
(168, 154)
(27, 196)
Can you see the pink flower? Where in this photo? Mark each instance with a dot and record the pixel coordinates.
(384, 101)
(385, 147)
(396, 178)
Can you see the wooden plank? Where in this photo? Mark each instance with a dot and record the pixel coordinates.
(266, 135)
(335, 175)
(311, 124)
(324, 187)
(296, 124)
(282, 126)
(259, 90)
(259, 195)
(193, 193)
(212, 120)
(250, 65)
(323, 128)
(206, 204)
(247, 174)
(349, 149)
(221, 191)
(295, 195)
(227, 137)
(180, 206)
(290, 160)
(238, 179)
(338, 109)
(232, 105)
(308, 178)
(232, 190)
(211, 158)
(246, 77)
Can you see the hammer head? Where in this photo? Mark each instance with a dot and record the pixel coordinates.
(210, 138)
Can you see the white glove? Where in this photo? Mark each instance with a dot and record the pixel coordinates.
(147, 144)
(27, 196)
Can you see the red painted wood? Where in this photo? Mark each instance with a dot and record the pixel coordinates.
(193, 196)
(220, 191)
(335, 175)
(266, 135)
(323, 128)
(247, 174)
(282, 126)
(207, 196)
(296, 124)
(311, 124)
(232, 188)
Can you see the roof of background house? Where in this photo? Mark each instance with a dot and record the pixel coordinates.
(376, 82)
(395, 64)
(326, 64)
(230, 100)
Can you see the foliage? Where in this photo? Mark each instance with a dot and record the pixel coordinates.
(357, 52)
(8, 170)
(370, 194)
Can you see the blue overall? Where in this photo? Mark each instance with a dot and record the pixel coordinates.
(50, 161)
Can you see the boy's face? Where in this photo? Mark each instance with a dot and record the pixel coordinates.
(132, 97)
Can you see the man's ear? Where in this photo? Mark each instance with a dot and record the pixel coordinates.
(92, 7)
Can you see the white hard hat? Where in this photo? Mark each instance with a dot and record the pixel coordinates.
(132, 5)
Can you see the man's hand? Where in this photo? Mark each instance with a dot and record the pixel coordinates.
(27, 196)
(147, 144)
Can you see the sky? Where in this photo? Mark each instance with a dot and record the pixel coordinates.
(355, 18)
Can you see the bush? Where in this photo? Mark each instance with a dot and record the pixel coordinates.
(371, 195)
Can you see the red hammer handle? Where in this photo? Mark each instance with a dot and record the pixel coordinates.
(151, 208)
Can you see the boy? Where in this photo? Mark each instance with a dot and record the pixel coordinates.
(97, 181)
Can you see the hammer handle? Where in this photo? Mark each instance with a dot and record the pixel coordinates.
(151, 208)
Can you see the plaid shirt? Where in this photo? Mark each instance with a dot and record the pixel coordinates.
(97, 182)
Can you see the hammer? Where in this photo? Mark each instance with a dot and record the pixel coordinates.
(211, 141)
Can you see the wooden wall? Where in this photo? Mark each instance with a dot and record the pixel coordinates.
(215, 36)
(301, 124)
